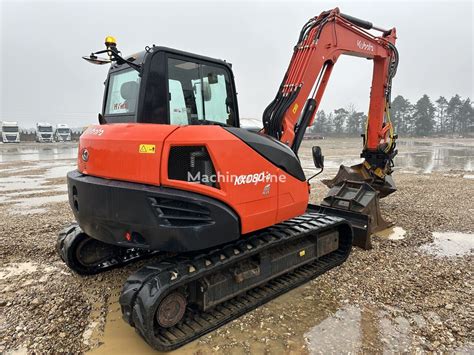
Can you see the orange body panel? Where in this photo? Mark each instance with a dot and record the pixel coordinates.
(114, 154)
(114, 151)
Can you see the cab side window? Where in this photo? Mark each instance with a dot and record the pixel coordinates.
(198, 93)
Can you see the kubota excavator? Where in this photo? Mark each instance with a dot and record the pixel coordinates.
(169, 170)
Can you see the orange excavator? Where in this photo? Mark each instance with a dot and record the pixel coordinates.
(169, 172)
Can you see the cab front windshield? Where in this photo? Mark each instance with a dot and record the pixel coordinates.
(45, 128)
(10, 129)
(63, 130)
(122, 95)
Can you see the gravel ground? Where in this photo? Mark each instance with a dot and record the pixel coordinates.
(395, 297)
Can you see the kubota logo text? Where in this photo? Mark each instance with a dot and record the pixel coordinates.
(365, 46)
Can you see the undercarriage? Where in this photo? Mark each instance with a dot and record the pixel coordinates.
(178, 299)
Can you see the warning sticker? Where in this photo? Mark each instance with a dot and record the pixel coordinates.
(147, 149)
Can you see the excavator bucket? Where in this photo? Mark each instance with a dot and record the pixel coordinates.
(359, 172)
(358, 203)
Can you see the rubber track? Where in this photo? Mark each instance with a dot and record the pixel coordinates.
(144, 290)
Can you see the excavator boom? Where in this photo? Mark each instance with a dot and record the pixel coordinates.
(322, 40)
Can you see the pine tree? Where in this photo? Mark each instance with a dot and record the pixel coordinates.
(320, 122)
(355, 122)
(424, 116)
(340, 117)
(453, 111)
(441, 107)
(330, 123)
(400, 114)
(351, 119)
(466, 116)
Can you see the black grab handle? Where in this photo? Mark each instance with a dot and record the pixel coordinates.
(358, 22)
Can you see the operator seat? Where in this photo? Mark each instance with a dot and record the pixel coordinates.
(129, 92)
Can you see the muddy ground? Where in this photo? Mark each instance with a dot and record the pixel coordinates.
(412, 292)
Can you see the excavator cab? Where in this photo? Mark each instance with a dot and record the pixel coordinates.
(167, 86)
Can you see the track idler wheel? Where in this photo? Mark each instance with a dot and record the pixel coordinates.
(82, 253)
(171, 310)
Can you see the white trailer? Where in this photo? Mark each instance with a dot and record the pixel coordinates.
(44, 132)
(10, 132)
(62, 133)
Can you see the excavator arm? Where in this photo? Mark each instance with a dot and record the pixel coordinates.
(322, 40)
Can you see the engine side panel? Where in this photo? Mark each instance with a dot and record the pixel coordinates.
(239, 169)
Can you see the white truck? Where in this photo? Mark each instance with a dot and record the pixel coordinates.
(44, 132)
(62, 133)
(10, 132)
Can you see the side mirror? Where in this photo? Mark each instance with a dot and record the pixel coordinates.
(318, 157)
(97, 60)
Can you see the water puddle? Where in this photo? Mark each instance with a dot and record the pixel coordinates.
(9, 195)
(305, 319)
(29, 179)
(395, 333)
(269, 329)
(20, 351)
(34, 205)
(31, 189)
(17, 269)
(414, 156)
(450, 244)
(37, 152)
(337, 334)
(434, 157)
(392, 233)
(354, 329)
(13, 183)
(119, 337)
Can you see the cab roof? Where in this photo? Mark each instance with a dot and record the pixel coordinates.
(140, 57)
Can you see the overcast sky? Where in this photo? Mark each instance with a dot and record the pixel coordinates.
(43, 77)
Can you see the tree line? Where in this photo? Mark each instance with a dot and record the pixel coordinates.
(424, 118)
